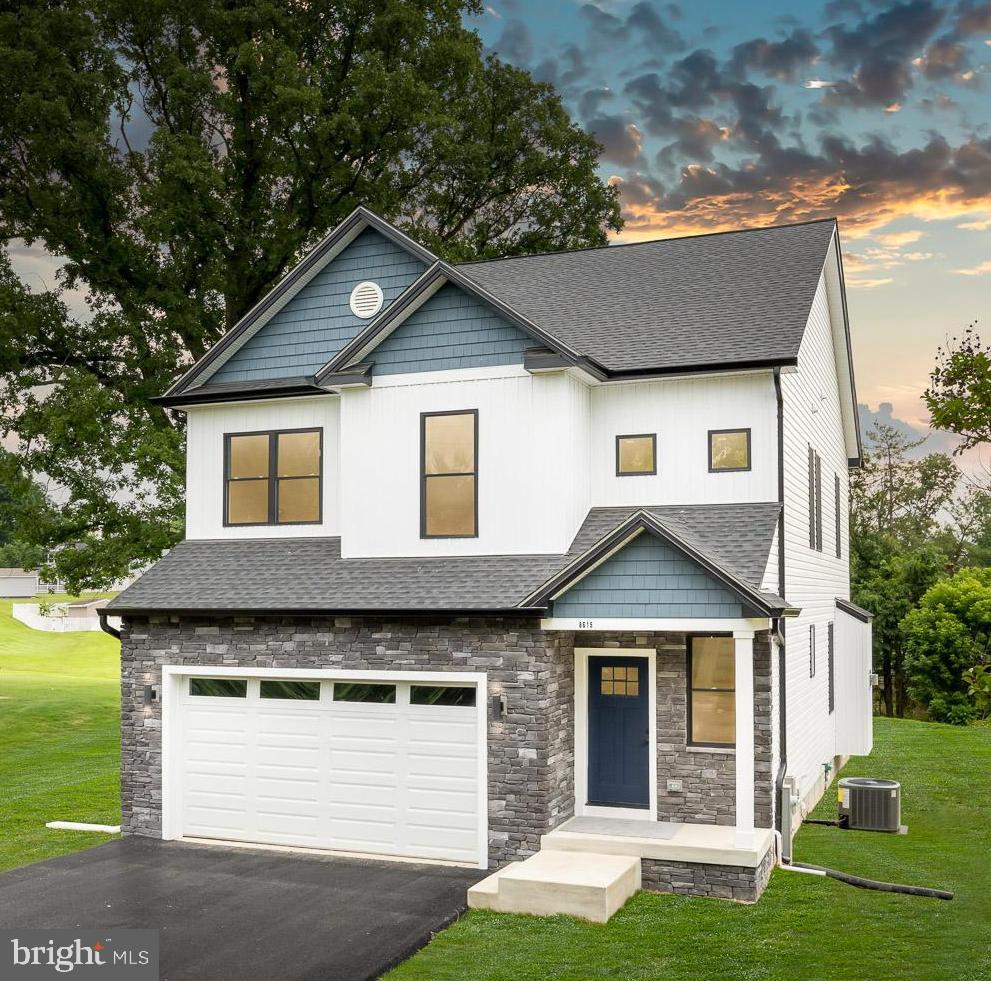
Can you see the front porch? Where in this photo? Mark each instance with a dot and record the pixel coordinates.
(590, 866)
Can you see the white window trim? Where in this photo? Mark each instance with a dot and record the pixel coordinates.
(174, 674)
(582, 807)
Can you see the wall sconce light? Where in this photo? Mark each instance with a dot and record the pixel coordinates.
(498, 707)
(149, 694)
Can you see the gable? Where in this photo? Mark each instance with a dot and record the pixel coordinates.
(452, 329)
(648, 578)
(317, 322)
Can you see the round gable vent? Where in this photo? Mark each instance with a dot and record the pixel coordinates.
(366, 300)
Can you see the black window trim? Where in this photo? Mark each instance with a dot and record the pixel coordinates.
(423, 470)
(838, 516)
(653, 455)
(750, 457)
(831, 665)
(818, 493)
(689, 690)
(273, 478)
(812, 650)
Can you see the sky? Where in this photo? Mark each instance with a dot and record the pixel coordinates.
(717, 115)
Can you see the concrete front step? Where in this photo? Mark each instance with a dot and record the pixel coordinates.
(584, 884)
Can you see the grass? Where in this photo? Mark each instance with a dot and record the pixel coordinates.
(803, 927)
(59, 738)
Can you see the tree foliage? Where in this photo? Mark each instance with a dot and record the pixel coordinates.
(948, 636)
(959, 392)
(180, 156)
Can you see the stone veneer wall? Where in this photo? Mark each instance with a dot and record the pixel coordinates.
(708, 778)
(718, 881)
(531, 760)
(531, 751)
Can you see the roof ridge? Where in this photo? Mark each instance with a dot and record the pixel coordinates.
(652, 241)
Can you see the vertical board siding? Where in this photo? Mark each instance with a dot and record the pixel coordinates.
(813, 578)
(648, 578)
(530, 462)
(681, 412)
(451, 330)
(317, 322)
(205, 429)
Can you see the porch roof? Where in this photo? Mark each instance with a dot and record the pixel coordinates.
(308, 575)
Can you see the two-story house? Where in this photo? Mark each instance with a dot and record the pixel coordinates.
(535, 551)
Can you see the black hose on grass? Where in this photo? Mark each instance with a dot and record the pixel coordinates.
(830, 824)
(862, 883)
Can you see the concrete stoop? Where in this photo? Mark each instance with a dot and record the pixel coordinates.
(584, 884)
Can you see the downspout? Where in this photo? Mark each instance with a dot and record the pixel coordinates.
(105, 627)
(780, 623)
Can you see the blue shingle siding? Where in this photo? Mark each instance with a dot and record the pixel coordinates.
(451, 330)
(317, 322)
(648, 578)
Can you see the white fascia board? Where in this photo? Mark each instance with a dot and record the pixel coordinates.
(214, 671)
(448, 375)
(297, 400)
(842, 353)
(677, 376)
(727, 625)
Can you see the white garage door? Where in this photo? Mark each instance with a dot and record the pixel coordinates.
(361, 765)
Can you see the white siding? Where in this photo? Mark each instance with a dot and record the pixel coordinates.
(813, 579)
(682, 411)
(854, 692)
(205, 429)
(532, 461)
(770, 581)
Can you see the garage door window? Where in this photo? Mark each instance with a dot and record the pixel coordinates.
(219, 687)
(357, 692)
(441, 695)
(305, 690)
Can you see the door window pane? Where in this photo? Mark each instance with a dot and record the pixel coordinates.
(449, 443)
(247, 502)
(299, 500)
(449, 508)
(299, 454)
(714, 717)
(729, 450)
(219, 687)
(441, 695)
(305, 690)
(620, 680)
(636, 455)
(249, 456)
(353, 691)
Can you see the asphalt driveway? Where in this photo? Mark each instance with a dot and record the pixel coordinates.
(243, 914)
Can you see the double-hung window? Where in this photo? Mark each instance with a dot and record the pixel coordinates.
(711, 691)
(449, 474)
(273, 478)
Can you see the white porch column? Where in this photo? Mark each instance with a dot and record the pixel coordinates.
(743, 642)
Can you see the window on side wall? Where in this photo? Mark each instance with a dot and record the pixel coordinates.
(273, 478)
(711, 691)
(812, 650)
(729, 450)
(449, 474)
(636, 455)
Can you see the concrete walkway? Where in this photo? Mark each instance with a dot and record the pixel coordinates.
(243, 914)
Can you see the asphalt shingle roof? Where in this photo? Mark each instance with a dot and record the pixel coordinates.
(309, 574)
(734, 297)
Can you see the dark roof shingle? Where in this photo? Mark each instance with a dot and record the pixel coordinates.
(705, 300)
(297, 574)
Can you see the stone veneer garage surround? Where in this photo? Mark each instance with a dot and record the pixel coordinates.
(530, 751)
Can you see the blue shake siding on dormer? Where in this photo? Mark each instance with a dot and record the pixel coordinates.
(648, 578)
(316, 323)
(451, 330)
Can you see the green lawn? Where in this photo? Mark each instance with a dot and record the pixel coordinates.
(59, 738)
(804, 927)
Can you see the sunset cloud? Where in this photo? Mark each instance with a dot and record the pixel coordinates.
(981, 269)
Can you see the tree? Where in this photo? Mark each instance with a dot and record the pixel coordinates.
(947, 637)
(895, 503)
(180, 155)
(959, 392)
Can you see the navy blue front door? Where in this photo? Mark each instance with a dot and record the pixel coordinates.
(618, 732)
